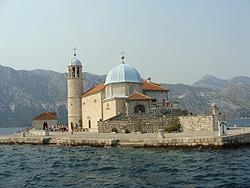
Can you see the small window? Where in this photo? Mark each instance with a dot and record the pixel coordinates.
(95, 101)
(83, 103)
(90, 124)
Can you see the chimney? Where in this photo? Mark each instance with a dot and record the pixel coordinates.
(149, 79)
(93, 85)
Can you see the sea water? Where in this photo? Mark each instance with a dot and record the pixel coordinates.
(50, 166)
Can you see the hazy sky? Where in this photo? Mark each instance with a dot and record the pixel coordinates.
(175, 41)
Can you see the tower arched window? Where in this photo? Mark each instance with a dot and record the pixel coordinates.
(73, 72)
(78, 72)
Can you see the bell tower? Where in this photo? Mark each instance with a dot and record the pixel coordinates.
(75, 90)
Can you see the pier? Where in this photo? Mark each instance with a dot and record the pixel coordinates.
(203, 140)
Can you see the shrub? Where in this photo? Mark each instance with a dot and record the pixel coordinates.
(114, 129)
(171, 128)
(176, 125)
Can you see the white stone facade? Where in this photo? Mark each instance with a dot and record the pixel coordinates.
(113, 107)
(92, 110)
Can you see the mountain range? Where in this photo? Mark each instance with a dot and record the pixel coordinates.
(26, 94)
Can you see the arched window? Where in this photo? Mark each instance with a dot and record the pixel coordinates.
(73, 72)
(78, 72)
(139, 108)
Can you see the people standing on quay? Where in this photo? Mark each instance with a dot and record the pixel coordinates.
(163, 103)
(76, 126)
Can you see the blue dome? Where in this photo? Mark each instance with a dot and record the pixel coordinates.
(123, 73)
(75, 61)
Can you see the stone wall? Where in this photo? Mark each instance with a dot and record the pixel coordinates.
(156, 95)
(39, 132)
(149, 125)
(75, 90)
(133, 103)
(203, 123)
(169, 112)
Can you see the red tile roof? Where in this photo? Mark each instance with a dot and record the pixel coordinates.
(146, 86)
(53, 113)
(94, 89)
(46, 115)
(137, 96)
(145, 81)
(152, 86)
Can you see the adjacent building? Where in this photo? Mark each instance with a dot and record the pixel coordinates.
(45, 120)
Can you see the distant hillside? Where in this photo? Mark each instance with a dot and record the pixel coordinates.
(234, 100)
(41, 72)
(26, 94)
(209, 81)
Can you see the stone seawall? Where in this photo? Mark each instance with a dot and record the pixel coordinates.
(205, 142)
(236, 137)
(200, 123)
(147, 125)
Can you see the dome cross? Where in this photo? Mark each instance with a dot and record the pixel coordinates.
(122, 57)
(74, 50)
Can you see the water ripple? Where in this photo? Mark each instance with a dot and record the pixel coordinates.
(46, 166)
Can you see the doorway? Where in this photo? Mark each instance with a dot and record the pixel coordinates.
(139, 108)
(45, 125)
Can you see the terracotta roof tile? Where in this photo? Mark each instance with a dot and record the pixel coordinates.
(53, 113)
(45, 115)
(94, 89)
(146, 86)
(152, 86)
(137, 96)
(145, 81)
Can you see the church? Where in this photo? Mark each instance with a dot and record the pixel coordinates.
(124, 92)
